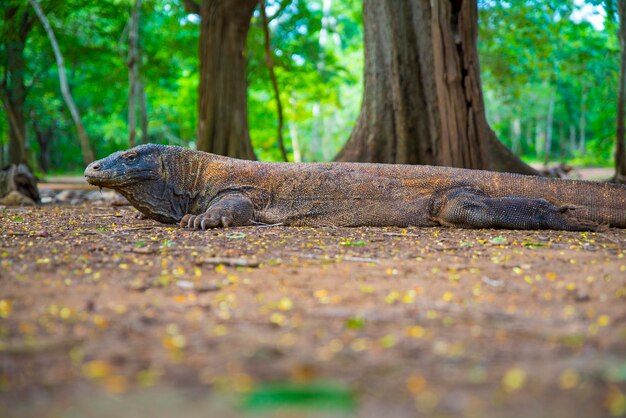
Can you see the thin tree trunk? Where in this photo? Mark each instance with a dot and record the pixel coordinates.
(516, 134)
(17, 131)
(293, 132)
(88, 155)
(222, 100)
(561, 141)
(620, 145)
(539, 139)
(315, 149)
(18, 21)
(549, 121)
(44, 136)
(143, 113)
(133, 72)
(423, 101)
(572, 139)
(582, 122)
(269, 61)
(528, 134)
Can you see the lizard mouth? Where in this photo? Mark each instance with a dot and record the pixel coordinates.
(97, 176)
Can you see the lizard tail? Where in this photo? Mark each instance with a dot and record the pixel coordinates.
(589, 202)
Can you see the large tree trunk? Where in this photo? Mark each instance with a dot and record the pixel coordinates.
(88, 156)
(423, 101)
(620, 145)
(222, 100)
(18, 21)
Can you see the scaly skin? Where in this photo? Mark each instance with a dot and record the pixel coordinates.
(201, 190)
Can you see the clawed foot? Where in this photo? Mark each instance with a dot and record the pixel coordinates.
(212, 219)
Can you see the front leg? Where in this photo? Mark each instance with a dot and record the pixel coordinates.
(465, 207)
(231, 210)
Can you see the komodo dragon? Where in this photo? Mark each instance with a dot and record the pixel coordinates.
(201, 190)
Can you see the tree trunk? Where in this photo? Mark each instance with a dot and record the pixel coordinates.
(423, 101)
(18, 186)
(88, 156)
(572, 139)
(620, 145)
(133, 72)
(222, 100)
(549, 121)
(143, 114)
(18, 21)
(295, 142)
(516, 135)
(539, 138)
(561, 141)
(44, 136)
(582, 122)
(269, 61)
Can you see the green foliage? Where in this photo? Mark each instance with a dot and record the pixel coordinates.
(320, 82)
(532, 52)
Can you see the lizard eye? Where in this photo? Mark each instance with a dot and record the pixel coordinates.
(131, 157)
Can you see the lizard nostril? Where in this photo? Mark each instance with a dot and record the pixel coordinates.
(95, 167)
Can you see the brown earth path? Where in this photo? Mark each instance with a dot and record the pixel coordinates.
(105, 315)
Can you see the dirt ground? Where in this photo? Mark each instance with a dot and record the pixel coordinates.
(104, 315)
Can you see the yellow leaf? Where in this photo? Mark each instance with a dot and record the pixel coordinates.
(96, 369)
(569, 379)
(6, 307)
(514, 379)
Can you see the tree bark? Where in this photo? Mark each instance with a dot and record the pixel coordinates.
(133, 72)
(423, 101)
(620, 145)
(269, 61)
(18, 23)
(88, 155)
(222, 100)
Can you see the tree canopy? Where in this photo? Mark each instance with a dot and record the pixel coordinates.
(549, 74)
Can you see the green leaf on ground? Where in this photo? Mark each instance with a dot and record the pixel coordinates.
(319, 395)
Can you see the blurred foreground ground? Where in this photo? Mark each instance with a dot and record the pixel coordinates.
(104, 315)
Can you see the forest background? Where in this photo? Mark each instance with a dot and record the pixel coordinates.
(549, 70)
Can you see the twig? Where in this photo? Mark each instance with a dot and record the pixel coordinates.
(338, 258)
(264, 225)
(233, 262)
(132, 228)
(33, 347)
(281, 9)
(398, 234)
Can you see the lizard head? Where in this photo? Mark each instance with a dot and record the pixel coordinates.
(148, 176)
(123, 169)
